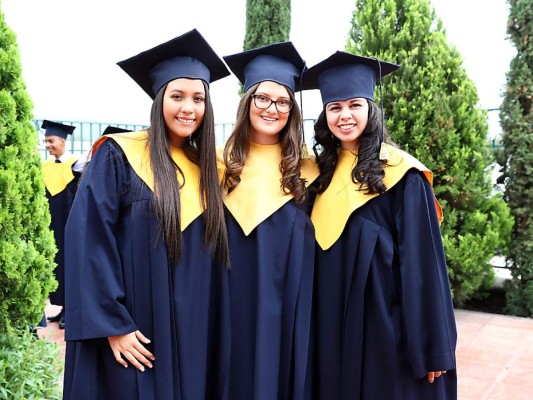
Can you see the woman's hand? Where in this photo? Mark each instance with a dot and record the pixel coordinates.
(434, 374)
(131, 347)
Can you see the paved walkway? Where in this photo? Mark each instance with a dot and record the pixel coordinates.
(494, 354)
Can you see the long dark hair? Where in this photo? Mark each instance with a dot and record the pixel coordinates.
(238, 146)
(369, 170)
(166, 201)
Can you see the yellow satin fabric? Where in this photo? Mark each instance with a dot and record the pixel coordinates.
(58, 175)
(259, 193)
(332, 208)
(135, 147)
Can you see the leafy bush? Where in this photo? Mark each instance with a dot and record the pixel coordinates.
(29, 368)
(433, 114)
(516, 157)
(27, 246)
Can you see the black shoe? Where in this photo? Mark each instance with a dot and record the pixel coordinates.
(62, 322)
(56, 318)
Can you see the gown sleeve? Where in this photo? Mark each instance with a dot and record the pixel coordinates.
(429, 323)
(94, 272)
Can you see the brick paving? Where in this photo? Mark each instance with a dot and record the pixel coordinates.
(494, 354)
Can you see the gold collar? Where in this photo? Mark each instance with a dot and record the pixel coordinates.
(259, 193)
(135, 147)
(58, 175)
(332, 208)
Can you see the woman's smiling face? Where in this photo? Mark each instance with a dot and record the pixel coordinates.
(266, 124)
(183, 108)
(347, 120)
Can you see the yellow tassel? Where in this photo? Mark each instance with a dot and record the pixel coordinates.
(384, 152)
(304, 153)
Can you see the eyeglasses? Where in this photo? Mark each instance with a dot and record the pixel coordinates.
(263, 102)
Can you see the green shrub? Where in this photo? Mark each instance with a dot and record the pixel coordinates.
(432, 112)
(29, 368)
(516, 157)
(27, 246)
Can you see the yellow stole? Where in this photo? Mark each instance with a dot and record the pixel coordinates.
(259, 193)
(135, 147)
(332, 208)
(58, 175)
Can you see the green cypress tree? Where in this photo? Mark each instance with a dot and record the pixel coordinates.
(516, 157)
(27, 246)
(432, 112)
(267, 21)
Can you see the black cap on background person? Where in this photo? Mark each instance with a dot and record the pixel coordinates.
(114, 129)
(57, 129)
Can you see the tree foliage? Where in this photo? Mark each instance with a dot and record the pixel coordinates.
(267, 21)
(432, 112)
(27, 246)
(516, 157)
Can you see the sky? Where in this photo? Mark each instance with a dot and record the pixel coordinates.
(69, 49)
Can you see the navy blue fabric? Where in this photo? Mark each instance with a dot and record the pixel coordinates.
(271, 283)
(277, 62)
(383, 312)
(60, 205)
(343, 76)
(118, 281)
(186, 56)
(57, 129)
(42, 323)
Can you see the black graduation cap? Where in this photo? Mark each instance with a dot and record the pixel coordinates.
(114, 129)
(187, 56)
(278, 62)
(343, 76)
(57, 129)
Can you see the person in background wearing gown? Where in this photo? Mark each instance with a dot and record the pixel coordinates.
(384, 319)
(61, 176)
(271, 238)
(147, 287)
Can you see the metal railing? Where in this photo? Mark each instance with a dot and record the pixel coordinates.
(86, 134)
(83, 136)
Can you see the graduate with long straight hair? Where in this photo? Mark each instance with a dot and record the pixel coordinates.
(384, 319)
(147, 251)
(271, 238)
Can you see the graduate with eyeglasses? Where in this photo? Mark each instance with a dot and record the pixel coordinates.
(383, 314)
(270, 235)
(146, 246)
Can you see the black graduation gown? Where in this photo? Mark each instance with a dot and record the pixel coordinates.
(383, 308)
(118, 281)
(271, 284)
(60, 205)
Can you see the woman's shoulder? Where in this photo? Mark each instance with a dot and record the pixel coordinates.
(128, 142)
(397, 155)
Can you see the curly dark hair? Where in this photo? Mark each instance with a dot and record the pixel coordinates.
(238, 146)
(166, 201)
(369, 170)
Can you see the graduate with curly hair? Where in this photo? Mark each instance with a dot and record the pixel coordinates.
(384, 319)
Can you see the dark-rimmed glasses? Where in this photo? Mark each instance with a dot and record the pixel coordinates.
(263, 102)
